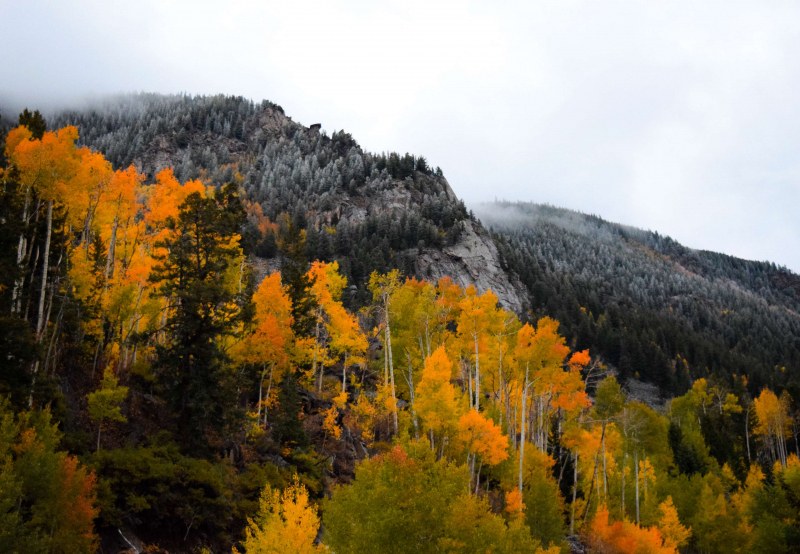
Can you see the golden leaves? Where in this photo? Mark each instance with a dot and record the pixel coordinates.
(286, 523)
(482, 436)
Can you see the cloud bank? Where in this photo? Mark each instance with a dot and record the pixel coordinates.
(675, 116)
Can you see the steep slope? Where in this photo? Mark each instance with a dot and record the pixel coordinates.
(649, 306)
(368, 211)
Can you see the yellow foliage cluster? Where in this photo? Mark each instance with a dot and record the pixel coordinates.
(286, 523)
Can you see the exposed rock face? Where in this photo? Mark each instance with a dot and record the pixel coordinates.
(474, 260)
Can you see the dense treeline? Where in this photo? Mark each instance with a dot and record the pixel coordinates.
(202, 409)
(651, 307)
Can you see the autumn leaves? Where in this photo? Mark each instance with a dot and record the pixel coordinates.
(457, 404)
(451, 364)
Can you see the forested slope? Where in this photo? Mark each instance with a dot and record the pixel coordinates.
(649, 306)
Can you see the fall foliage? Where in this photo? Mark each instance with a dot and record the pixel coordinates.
(193, 386)
(286, 522)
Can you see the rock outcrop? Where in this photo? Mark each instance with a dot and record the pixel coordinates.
(474, 260)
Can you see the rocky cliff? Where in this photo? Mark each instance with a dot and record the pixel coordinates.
(474, 259)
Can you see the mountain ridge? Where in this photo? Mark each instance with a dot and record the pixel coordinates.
(189, 393)
(373, 212)
(599, 266)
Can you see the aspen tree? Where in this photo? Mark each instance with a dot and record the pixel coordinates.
(382, 288)
(286, 523)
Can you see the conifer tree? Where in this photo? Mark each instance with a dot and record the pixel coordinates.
(191, 367)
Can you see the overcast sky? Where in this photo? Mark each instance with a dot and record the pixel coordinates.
(681, 116)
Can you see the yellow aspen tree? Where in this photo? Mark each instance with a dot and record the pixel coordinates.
(382, 288)
(448, 297)
(87, 192)
(326, 288)
(502, 348)
(286, 523)
(415, 333)
(477, 318)
(104, 403)
(773, 422)
(347, 339)
(437, 402)
(674, 532)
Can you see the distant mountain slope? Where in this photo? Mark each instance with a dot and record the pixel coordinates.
(368, 211)
(648, 305)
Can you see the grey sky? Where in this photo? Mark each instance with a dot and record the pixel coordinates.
(680, 116)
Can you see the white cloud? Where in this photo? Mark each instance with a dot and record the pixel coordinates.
(677, 116)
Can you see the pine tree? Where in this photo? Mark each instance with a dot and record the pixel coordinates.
(191, 368)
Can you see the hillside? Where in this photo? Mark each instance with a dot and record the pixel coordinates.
(367, 211)
(649, 306)
(287, 344)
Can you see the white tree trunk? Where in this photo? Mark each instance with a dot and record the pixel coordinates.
(112, 246)
(391, 364)
(636, 474)
(21, 248)
(523, 424)
(45, 268)
(477, 376)
(574, 493)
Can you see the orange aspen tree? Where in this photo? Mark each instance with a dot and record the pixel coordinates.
(540, 353)
(108, 217)
(483, 440)
(46, 167)
(269, 343)
(623, 536)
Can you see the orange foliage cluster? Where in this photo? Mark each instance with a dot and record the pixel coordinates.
(119, 224)
(483, 437)
(624, 537)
